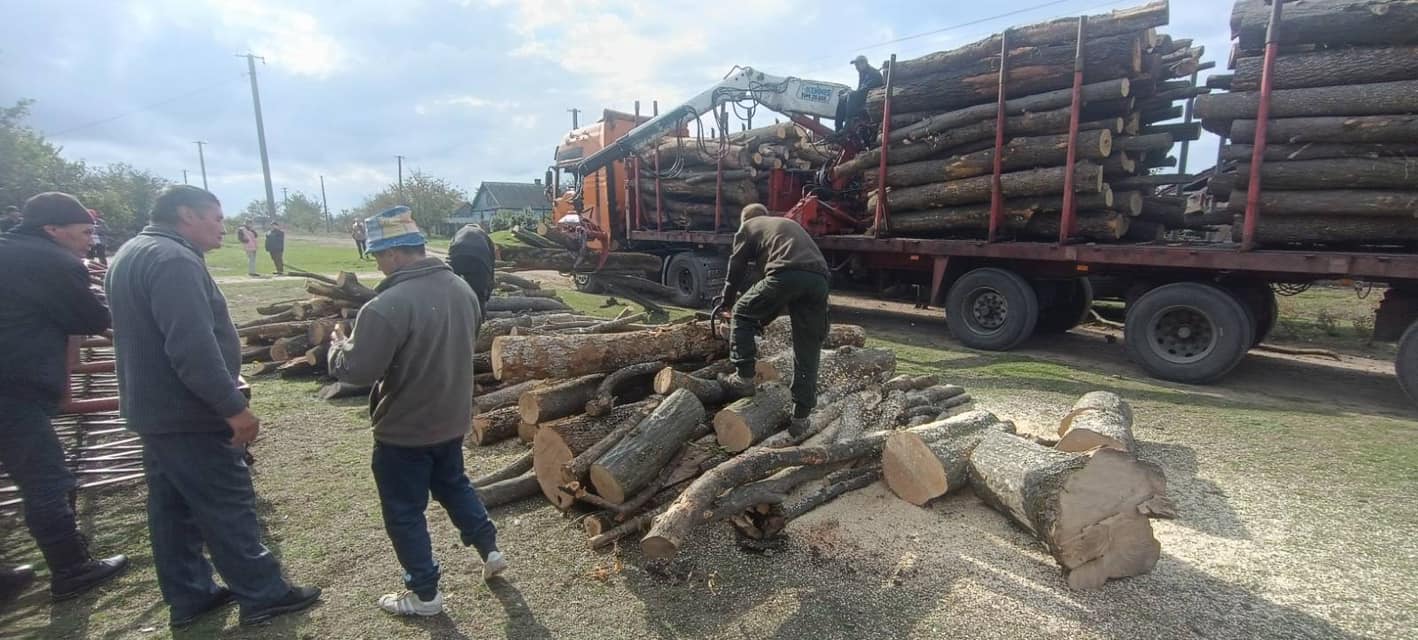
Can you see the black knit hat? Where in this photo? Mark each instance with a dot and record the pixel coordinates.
(54, 208)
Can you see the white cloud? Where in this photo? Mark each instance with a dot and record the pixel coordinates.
(288, 38)
(525, 121)
(463, 102)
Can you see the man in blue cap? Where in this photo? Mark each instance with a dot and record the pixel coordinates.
(414, 344)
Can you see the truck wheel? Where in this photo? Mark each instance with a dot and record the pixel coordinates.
(1071, 302)
(991, 309)
(1188, 332)
(695, 279)
(584, 284)
(1406, 363)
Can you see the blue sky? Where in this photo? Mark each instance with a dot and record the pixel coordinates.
(467, 90)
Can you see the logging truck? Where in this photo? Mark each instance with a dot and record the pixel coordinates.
(1193, 308)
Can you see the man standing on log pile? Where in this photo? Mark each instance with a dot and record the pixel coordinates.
(472, 256)
(179, 363)
(868, 78)
(795, 280)
(46, 299)
(414, 344)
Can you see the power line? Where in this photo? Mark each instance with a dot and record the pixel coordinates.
(141, 109)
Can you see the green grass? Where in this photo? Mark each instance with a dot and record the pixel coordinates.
(318, 255)
(1334, 317)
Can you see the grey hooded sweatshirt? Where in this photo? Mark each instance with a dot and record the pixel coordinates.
(414, 343)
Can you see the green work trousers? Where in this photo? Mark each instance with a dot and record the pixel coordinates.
(803, 295)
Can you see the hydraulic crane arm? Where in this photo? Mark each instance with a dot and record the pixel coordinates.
(790, 96)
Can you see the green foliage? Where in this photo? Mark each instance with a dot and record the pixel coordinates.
(431, 199)
(255, 212)
(505, 220)
(304, 212)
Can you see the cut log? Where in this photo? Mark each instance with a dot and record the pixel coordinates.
(604, 398)
(844, 369)
(1098, 419)
(858, 411)
(1333, 22)
(976, 217)
(1314, 151)
(260, 353)
(926, 462)
(1148, 183)
(1040, 102)
(1119, 164)
(495, 426)
(1128, 203)
(518, 303)
(507, 279)
(348, 288)
(1345, 129)
(576, 469)
(287, 315)
(337, 390)
(290, 347)
(1145, 231)
(1088, 178)
(1351, 100)
(276, 331)
(1330, 67)
(1019, 153)
(748, 420)
(1338, 203)
(1341, 230)
(1334, 173)
(559, 442)
(526, 357)
(909, 383)
(1090, 511)
(636, 460)
(735, 192)
(508, 491)
(517, 467)
(777, 337)
(1150, 142)
(1104, 226)
(708, 390)
(1179, 131)
(695, 152)
(504, 397)
(528, 258)
(559, 399)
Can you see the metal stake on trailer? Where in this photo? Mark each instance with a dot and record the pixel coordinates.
(634, 184)
(1066, 219)
(659, 205)
(1267, 79)
(882, 212)
(996, 190)
(723, 118)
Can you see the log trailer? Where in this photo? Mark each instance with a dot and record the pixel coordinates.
(1193, 309)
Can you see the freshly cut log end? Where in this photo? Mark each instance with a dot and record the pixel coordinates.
(1098, 419)
(559, 442)
(928, 461)
(749, 420)
(636, 460)
(495, 426)
(552, 401)
(1089, 510)
(709, 392)
(517, 358)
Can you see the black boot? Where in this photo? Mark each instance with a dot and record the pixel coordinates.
(73, 571)
(14, 581)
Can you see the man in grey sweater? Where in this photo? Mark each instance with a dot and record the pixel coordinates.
(179, 359)
(414, 343)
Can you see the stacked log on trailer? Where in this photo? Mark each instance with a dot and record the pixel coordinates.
(944, 106)
(1339, 165)
(689, 180)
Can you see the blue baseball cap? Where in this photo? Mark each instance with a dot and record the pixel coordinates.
(393, 228)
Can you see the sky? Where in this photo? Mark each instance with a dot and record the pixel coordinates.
(465, 90)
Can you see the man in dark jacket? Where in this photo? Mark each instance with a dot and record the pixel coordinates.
(795, 279)
(472, 256)
(414, 343)
(868, 78)
(46, 299)
(276, 246)
(179, 360)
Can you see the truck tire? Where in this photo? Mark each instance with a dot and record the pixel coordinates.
(584, 283)
(1069, 307)
(696, 279)
(1406, 362)
(1188, 332)
(991, 309)
(1260, 303)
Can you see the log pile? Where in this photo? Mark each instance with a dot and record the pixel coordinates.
(1339, 167)
(941, 148)
(689, 181)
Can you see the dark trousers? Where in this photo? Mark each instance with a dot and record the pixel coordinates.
(279, 257)
(32, 455)
(359, 244)
(405, 477)
(199, 492)
(803, 295)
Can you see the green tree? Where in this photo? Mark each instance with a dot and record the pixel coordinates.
(304, 212)
(29, 164)
(124, 194)
(255, 212)
(431, 199)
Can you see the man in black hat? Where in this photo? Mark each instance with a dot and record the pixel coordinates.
(868, 78)
(47, 299)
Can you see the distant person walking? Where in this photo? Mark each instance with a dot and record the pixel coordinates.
(179, 361)
(358, 233)
(248, 237)
(276, 246)
(98, 248)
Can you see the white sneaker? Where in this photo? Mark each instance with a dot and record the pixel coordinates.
(408, 603)
(494, 565)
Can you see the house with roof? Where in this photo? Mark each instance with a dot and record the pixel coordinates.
(502, 201)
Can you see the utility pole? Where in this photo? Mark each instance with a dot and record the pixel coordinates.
(401, 180)
(575, 121)
(202, 158)
(285, 201)
(324, 204)
(184, 176)
(261, 131)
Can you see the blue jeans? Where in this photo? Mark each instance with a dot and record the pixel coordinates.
(199, 491)
(32, 455)
(405, 477)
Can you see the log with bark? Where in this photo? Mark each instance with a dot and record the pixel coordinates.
(277, 331)
(559, 399)
(517, 358)
(735, 192)
(975, 218)
(1088, 178)
(1105, 226)
(844, 369)
(519, 303)
(346, 287)
(746, 421)
(1336, 203)
(1334, 230)
(695, 152)
(1150, 142)
(637, 458)
(529, 258)
(1090, 510)
(1330, 67)
(560, 442)
(1317, 151)
(926, 462)
(1051, 100)
(1019, 153)
(1098, 419)
(508, 491)
(1335, 173)
(495, 426)
(1379, 98)
(513, 469)
(1333, 22)
(604, 398)
(505, 397)
(257, 353)
(1343, 129)
(778, 336)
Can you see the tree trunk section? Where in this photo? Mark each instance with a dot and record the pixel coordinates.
(1019, 153)
(576, 469)
(1333, 230)
(603, 400)
(520, 303)
(504, 397)
(1103, 226)
(1330, 67)
(1149, 142)
(528, 259)
(1335, 173)
(1344, 129)
(778, 336)
(975, 218)
(517, 467)
(695, 153)
(844, 369)
(637, 459)
(517, 358)
(1333, 22)
(558, 399)
(1088, 178)
(1040, 102)
(1286, 152)
(748, 420)
(1338, 203)
(737, 193)
(495, 426)
(926, 462)
(1090, 511)
(558, 443)
(508, 491)
(1351, 100)
(709, 391)
(1098, 419)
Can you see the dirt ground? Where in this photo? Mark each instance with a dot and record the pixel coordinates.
(1294, 480)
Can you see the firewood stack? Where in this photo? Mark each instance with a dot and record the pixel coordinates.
(1342, 141)
(689, 179)
(944, 107)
